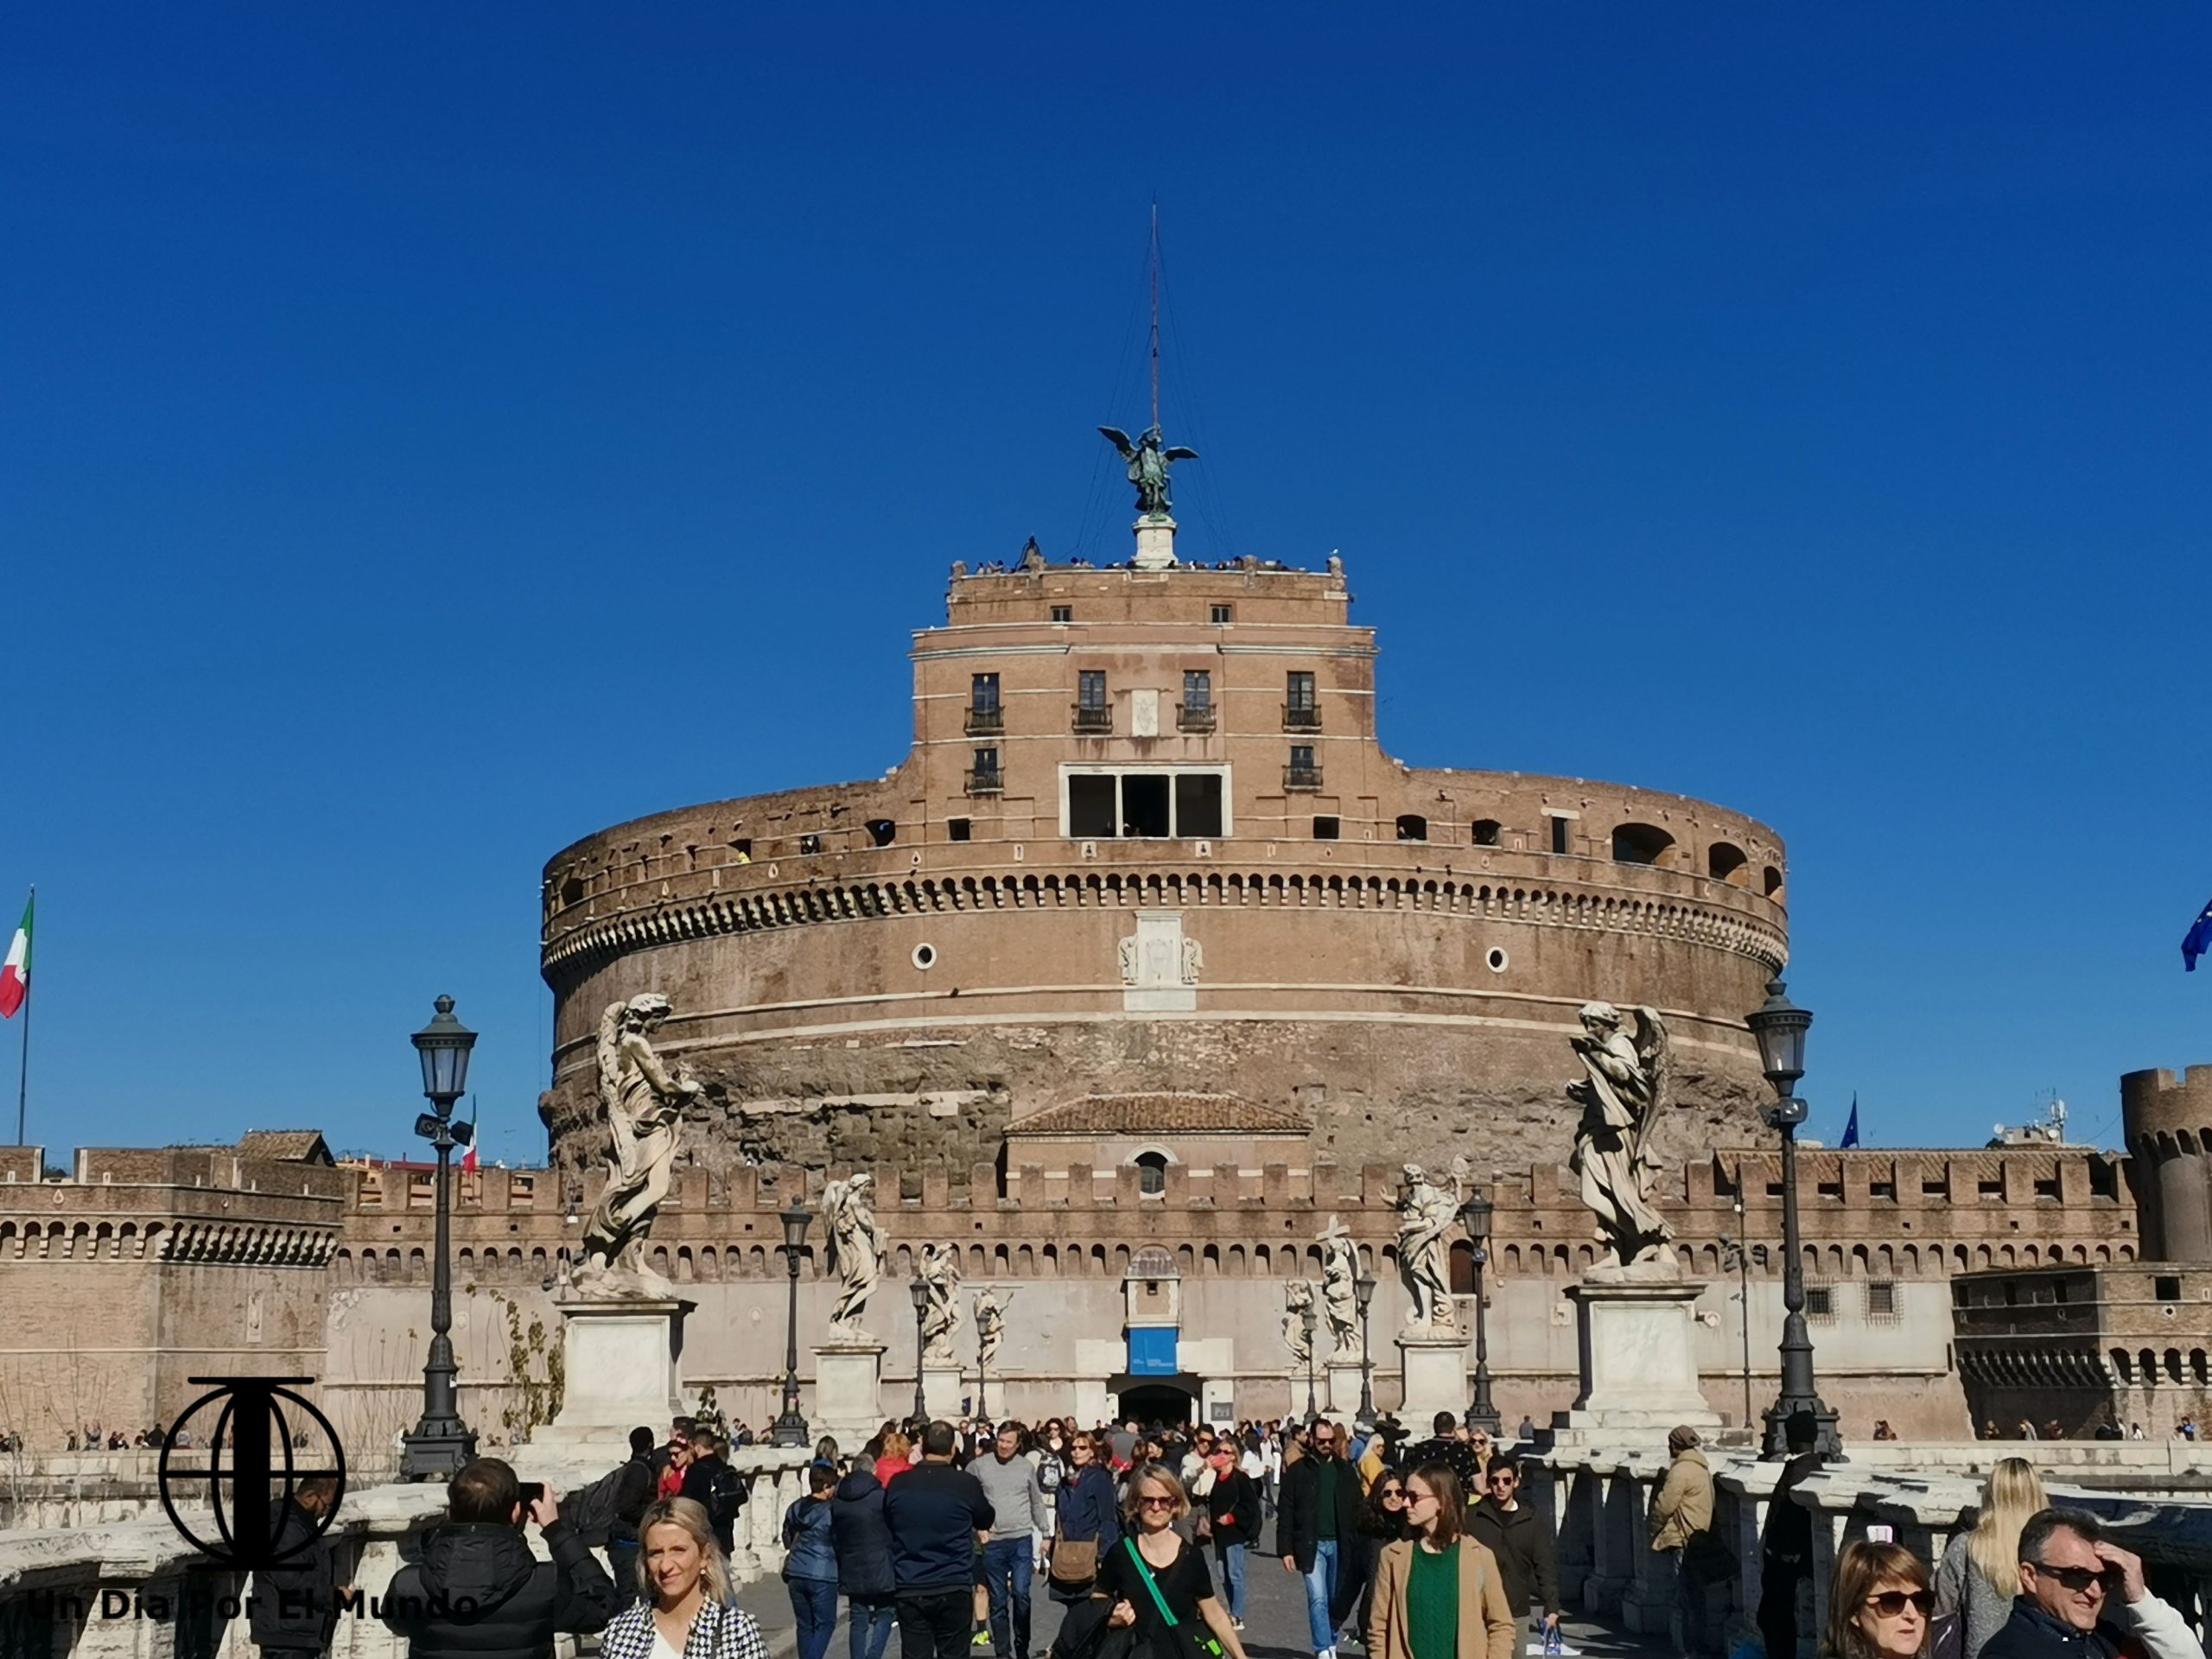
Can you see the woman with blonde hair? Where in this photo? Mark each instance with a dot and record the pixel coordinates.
(1980, 1571)
(1156, 1581)
(1879, 1605)
(1440, 1594)
(685, 1608)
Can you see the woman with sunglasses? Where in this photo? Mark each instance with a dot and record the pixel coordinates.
(1086, 1517)
(1157, 1582)
(1383, 1522)
(1879, 1605)
(1438, 1595)
(1232, 1505)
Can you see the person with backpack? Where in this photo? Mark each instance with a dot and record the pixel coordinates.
(608, 1511)
(810, 1561)
(714, 1486)
(863, 1540)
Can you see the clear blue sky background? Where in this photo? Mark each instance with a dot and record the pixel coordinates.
(428, 439)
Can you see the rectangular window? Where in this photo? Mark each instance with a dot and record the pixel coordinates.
(1063, 612)
(1820, 1301)
(1198, 689)
(1883, 1190)
(808, 846)
(1991, 1189)
(2166, 1287)
(1197, 805)
(1485, 832)
(1091, 808)
(1091, 689)
(1299, 693)
(1221, 615)
(1302, 757)
(1326, 829)
(984, 693)
(1560, 842)
(1144, 804)
(956, 830)
(1881, 1299)
(985, 779)
(1936, 1187)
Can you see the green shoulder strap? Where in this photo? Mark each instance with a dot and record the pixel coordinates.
(1145, 1572)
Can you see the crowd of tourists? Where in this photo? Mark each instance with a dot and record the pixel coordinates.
(1404, 1549)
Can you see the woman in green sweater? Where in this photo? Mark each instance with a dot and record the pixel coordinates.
(1438, 1595)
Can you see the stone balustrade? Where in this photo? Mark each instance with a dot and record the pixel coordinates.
(133, 1589)
(2152, 1495)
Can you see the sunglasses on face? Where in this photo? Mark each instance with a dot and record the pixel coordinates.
(1394, 1491)
(1504, 1481)
(2081, 1580)
(1156, 1502)
(1892, 1603)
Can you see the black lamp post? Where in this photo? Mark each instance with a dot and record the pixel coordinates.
(1779, 1025)
(791, 1427)
(441, 1443)
(1305, 1324)
(1364, 1288)
(1738, 1259)
(1475, 1213)
(920, 1290)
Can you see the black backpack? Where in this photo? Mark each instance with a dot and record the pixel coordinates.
(725, 1496)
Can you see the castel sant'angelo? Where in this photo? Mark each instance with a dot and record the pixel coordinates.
(1137, 988)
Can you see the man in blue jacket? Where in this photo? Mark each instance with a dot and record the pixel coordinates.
(938, 1518)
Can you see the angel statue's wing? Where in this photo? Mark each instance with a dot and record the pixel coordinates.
(1120, 439)
(1178, 453)
(1656, 1051)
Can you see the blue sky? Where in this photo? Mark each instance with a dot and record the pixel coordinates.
(429, 438)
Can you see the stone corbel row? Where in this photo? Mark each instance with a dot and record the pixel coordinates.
(231, 1245)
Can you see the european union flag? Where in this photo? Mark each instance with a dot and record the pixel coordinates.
(2198, 940)
(1851, 1129)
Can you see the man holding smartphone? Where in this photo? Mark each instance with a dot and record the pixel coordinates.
(477, 1591)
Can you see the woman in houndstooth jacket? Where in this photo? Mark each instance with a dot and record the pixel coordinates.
(687, 1608)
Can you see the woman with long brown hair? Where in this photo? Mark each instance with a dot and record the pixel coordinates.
(1440, 1594)
(1879, 1605)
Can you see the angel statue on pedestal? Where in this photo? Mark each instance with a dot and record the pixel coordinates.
(1627, 1083)
(856, 1249)
(1148, 464)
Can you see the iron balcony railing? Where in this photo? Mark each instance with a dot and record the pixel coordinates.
(981, 782)
(1194, 717)
(1089, 719)
(986, 723)
(1301, 777)
(1301, 717)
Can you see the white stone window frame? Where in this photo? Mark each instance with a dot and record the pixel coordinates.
(1118, 770)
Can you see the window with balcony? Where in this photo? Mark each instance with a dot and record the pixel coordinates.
(984, 777)
(1196, 713)
(1301, 712)
(1092, 712)
(1303, 772)
(985, 718)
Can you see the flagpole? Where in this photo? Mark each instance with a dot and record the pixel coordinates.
(23, 1070)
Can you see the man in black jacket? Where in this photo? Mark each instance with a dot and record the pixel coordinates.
(938, 1518)
(862, 1540)
(716, 1487)
(477, 1592)
(293, 1604)
(2082, 1597)
(1316, 1528)
(634, 1484)
(1514, 1533)
(1451, 1448)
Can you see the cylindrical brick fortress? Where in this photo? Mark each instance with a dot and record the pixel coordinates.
(1146, 841)
(2167, 1120)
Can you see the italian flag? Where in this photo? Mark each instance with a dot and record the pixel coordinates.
(16, 972)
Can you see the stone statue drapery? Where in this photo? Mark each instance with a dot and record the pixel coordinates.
(1339, 1292)
(990, 1304)
(644, 1103)
(941, 1318)
(1626, 1083)
(1427, 1213)
(857, 1250)
(1297, 1301)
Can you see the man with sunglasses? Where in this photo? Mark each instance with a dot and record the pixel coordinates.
(1316, 1530)
(2082, 1597)
(1523, 1543)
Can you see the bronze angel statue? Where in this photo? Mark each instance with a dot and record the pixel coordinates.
(1627, 1081)
(1148, 464)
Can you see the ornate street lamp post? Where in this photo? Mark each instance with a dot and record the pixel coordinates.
(1364, 1288)
(1305, 1324)
(920, 1290)
(441, 1443)
(791, 1427)
(1779, 1025)
(1476, 1213)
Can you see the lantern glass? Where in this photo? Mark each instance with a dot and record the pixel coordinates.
(920, 1290)
(1364, 1288)
(444, 1045)
(795, 1221)
(1779, 1025)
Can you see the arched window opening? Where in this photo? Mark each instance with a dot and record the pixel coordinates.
(1726, 861)
(1152, 1173)
(1642, 843)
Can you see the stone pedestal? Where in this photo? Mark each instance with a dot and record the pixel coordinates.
(620, 1371)
(1637, 1333)
(1155, 543)
(1342, 1398)
(941, 1388)
(1434, 1358)
(847, 1390)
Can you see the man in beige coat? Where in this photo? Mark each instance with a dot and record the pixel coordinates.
(1681, 1524)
